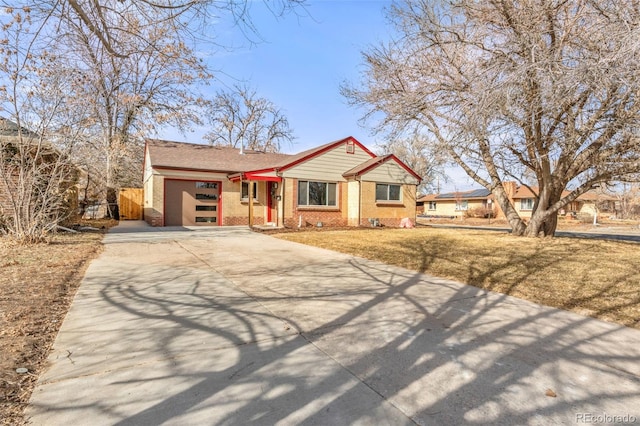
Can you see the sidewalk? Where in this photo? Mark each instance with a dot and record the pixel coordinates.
(234, 327)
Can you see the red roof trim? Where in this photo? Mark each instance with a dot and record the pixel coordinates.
(253, 176)
(383, 160)
(235, 177)
(325, 149)
(407, 168)
(267, 170)
(188, 169)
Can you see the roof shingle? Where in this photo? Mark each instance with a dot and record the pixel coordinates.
(179, 155)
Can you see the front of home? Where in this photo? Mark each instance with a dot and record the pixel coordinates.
(481, 203)
(341, 183)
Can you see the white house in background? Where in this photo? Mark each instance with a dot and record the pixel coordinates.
(480, 203)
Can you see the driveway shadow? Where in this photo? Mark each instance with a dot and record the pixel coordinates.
(212, 334)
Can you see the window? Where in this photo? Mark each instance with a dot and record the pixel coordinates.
(209, 185)
(432, 205)
(462, 205)
(317, 193)
(526, 204)
(211, 197)
(351, 147)
(245, 190)
(206, 208)
(206, 219)
(387, 192)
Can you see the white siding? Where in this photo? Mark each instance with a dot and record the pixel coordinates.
(353, 203)
(147, 181)
(328, 166)
(390, 172)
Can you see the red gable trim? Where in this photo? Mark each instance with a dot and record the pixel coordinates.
(325, 149)
(253, 176)
(384, 160)
(407, 168)
(189, 169)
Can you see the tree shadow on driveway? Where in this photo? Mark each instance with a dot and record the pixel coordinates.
(315, 337)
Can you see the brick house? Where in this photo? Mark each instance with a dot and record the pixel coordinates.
(341, 183)
(14, 140)
(481, 202)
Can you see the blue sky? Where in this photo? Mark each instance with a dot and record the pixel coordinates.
(299, 65)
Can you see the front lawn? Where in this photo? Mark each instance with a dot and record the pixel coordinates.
(600, 279)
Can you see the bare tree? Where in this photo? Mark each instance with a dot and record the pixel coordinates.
(38, 130)
(508, 89)
(241, 119)
(87, 78)
(628, 200)
(127, 96)
(183, 17)
(417, 151)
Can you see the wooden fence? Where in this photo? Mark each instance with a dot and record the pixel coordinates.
(130, 203)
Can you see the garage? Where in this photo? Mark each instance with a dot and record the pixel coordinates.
(192, 203)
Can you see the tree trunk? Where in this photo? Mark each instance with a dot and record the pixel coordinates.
(534, 227)
(518, 227)
(542, 224)
(550, 225)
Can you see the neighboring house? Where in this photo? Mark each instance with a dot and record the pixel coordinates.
(456, 204)
(341, 183)
(480, 202)
(586, 204)
(12, 138)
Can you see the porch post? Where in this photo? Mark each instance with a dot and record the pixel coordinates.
(250, 195)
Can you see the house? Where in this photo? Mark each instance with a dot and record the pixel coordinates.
(341, 183)
(480, 203)
(455, 204)
(586, 204)
(25, 159)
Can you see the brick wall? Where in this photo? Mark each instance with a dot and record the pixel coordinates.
(153, 217)
(388, 214)
(328, 216)
(233, 206)
(312, 217)
(242, 220)
(6, 207)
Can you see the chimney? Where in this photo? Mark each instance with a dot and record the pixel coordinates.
(510, 188)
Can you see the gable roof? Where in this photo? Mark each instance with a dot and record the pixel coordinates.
(313, 152)
(591, 195)
(186, 156)
(10, 128)
(378, 161)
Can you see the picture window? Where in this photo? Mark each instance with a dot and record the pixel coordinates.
(312, 193)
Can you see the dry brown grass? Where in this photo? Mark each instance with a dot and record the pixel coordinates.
(37, 285)
(600, 279)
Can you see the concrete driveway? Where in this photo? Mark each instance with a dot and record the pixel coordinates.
(226, 326)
